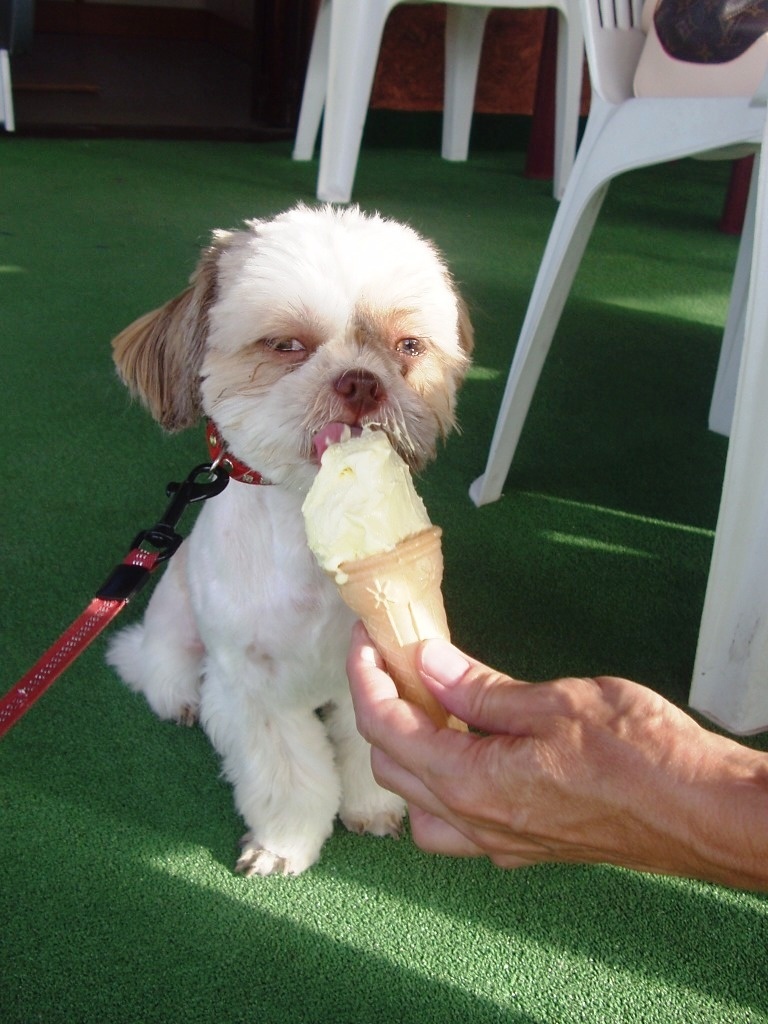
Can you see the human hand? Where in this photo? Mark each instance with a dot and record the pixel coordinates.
(578, 770)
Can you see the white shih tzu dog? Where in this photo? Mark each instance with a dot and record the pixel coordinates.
(290, 329)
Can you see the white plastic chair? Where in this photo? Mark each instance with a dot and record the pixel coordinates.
(730, 674)
(622, 133)
(6, 95)
(342, 64)
(16, 29)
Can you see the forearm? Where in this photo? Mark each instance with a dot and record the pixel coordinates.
(724, 827)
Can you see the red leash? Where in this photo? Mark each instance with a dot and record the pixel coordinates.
(70, 644)
(149, 549)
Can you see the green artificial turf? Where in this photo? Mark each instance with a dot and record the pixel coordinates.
(117, 836)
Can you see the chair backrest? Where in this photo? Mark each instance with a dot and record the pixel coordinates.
(614, 38)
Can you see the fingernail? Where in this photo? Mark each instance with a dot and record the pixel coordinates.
(368, 655)
(443, 662)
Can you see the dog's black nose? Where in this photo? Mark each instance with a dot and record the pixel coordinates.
(360, 389)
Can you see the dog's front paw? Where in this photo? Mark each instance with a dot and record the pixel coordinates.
(254, 859)
(188, 715)
(386, 822)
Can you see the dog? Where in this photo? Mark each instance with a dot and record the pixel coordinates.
(291, 329)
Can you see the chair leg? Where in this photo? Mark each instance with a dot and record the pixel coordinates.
(558, 267)
(730, 674)
(465, 27)
(730, 678)
(724, 391)
(603, 154)
(570, 77)
(735, 203)
(6, 94)
(568, 238)
(540, 155)
(355, 40)
(315, 84)
(464, 31)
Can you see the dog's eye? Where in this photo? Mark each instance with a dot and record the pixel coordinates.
(410, 347)
(284, 344)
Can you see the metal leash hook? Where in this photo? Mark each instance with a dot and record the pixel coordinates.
(125, 581)
(163, 534)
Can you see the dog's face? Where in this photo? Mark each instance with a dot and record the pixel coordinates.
(297, 325)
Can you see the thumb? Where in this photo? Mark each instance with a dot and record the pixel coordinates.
(482, 697)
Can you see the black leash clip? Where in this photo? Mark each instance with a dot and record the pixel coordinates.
(205, 481)
(163, 534)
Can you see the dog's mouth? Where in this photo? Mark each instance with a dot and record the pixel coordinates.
(337, 430)
(331, 433)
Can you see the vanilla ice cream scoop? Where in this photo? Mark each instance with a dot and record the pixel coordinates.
(361, 503)
(369, 529)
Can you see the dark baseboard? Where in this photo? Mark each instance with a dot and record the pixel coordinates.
(143, 23)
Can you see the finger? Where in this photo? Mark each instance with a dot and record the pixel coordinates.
(410, 755)
(369, 681)
(378, 709)
(461, 839)
(489, 700)
(413, 787)
(382, 717)
(434, 835)
(435, 828)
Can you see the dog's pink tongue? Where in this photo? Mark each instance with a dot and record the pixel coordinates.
(331, 434)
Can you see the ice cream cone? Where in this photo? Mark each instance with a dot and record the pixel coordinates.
(398, 596)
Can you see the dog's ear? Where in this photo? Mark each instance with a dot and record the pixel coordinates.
(159, 355)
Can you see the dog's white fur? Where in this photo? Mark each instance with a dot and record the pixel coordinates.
(317, 316)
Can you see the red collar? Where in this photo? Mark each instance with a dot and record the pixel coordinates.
(236, 469)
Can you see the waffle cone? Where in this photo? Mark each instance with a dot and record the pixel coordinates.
(398, 596)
